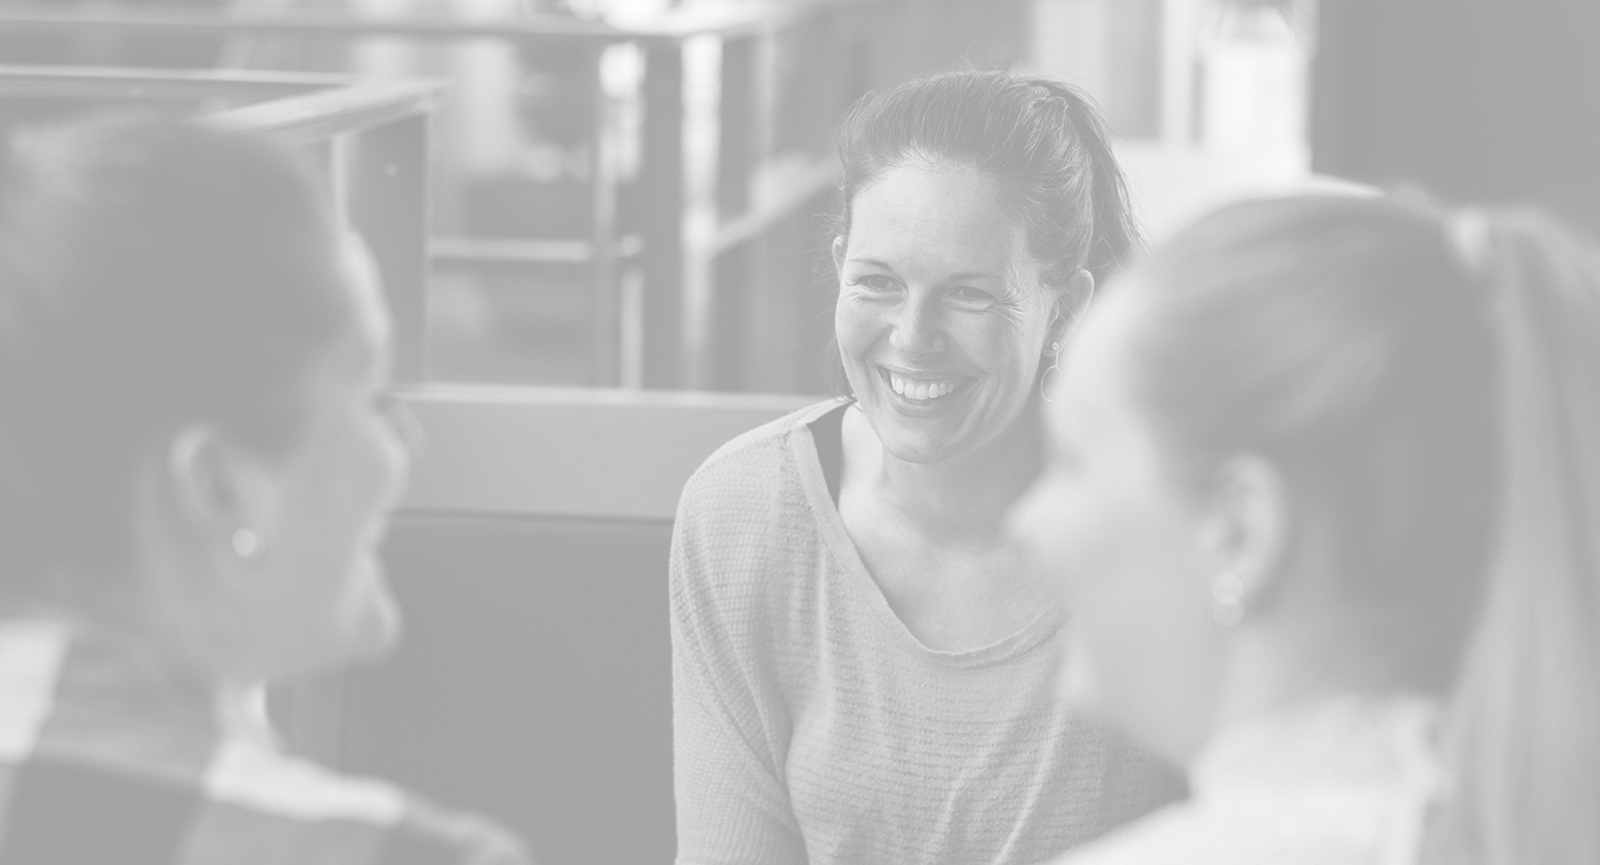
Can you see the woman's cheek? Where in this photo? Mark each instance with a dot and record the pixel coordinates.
(1057, 544)
(858, 330)
(852, 321)
(397, 461)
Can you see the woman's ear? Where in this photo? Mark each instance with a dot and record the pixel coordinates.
(217, 486)
(1247, 536)
(1076, 296)
(838, 254)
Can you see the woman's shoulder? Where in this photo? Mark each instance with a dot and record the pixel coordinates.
(1285, 826)
(249, 804)
(284, 796)
(746, 471)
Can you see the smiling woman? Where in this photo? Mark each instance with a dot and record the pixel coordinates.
(940, 317)
(863, 669)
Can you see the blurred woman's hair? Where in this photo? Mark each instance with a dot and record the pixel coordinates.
(152, 274)
(1042, 144)
(1430, 386)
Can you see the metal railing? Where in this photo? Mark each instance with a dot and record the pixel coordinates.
(369, 137)
(693, 257)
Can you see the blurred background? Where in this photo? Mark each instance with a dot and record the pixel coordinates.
(603, 228)
(637, 193)
(552, 178)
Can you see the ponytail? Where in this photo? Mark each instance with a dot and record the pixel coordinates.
(1525, 726)
(1116, 236)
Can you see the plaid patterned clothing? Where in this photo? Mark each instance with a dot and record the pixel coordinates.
(106, 756)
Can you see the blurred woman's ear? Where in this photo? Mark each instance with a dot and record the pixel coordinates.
(838, 254)
(219, 491)
(1246, 535)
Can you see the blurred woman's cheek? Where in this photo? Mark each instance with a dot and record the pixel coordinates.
(400, 456)
(1056, 523)
(1030, 524)
(1079, 688)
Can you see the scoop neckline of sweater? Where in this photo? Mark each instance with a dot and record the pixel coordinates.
(1038, 631)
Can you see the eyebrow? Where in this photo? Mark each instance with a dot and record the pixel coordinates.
(954, 277)
(869, 261)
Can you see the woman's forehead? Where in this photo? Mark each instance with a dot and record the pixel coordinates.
(937, 214)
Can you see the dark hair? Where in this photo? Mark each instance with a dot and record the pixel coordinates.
(1040, 141)
(1439, 402)
(152, 274)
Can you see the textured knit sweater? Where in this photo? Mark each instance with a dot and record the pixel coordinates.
(812, 727)
(1344, 782)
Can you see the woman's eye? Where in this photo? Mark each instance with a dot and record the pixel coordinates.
(874, 282)
(972, 297)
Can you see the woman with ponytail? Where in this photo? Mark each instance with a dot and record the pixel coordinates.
(1323, 498)
(863, 669)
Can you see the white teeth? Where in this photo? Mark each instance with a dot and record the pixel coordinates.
(920, 391)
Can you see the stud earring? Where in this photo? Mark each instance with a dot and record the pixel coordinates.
(1227, 600)
(1055, 366)
(248, 545)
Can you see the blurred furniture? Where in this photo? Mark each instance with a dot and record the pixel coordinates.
(369, 138)
(708, 172)
(1207, 97)
(1474, 99)
(534, 680)
(101, 49)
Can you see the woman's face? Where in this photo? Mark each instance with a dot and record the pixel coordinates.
(321, 595)
(1124, 544)
(941, 320)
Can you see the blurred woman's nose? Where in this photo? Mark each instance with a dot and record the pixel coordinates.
(918, 327)
(407, 428)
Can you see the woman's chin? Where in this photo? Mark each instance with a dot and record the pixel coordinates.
(373, 627)
(918, 441)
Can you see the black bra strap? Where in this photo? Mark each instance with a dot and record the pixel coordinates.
(828, 434)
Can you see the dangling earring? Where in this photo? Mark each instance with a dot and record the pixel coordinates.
(247, 545)
(1227, 600)
(1055, 366)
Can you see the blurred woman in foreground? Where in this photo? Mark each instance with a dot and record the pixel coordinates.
(196, 456)
(1319, 467)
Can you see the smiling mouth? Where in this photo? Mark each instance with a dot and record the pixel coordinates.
(923, 390)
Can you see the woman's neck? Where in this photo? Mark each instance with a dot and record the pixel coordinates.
(120, 609)
(963, 497)
(1295, 661)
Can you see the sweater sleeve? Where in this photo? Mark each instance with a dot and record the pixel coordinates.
(730, 723)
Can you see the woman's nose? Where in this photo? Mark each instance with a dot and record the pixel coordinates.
(918, 328)
(406, 427)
